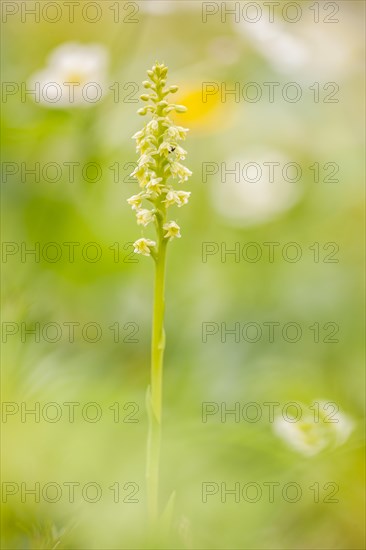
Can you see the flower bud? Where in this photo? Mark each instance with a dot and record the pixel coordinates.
(144, 97)
(180, 108)
(173, 89)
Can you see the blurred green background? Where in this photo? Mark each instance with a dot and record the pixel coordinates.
(119, 290)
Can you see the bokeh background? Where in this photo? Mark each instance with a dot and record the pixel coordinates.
(118, 289)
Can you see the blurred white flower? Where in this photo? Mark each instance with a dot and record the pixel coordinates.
(158, 7)
(312, 432)
(75, 76)
(282, 49)
(335, 50)
(309, 50)
(224, 50)
(161, 7)
(247, 191)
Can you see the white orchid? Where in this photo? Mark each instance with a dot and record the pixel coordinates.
(160, 153)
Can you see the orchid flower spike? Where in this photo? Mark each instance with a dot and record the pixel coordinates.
(159, 163)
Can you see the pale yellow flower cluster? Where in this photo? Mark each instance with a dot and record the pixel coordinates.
(159, 162)
(309, 433)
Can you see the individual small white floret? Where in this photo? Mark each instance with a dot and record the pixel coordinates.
(153, 186)
(180, 171)
(143, 246)
(135, 201)
(144, 217)
(179, 198)
(172, 230)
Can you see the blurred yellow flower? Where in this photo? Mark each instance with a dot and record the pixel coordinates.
(204, 114)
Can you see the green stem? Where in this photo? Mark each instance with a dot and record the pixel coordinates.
(156, 388)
